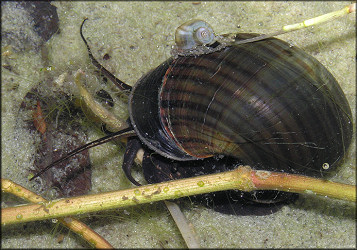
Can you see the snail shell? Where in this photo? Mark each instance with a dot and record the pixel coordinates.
(269, 104)
(194, 33)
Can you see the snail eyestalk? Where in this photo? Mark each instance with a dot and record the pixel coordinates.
(307, 23)
(120, 84)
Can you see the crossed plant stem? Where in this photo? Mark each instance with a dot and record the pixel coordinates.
(242, 178)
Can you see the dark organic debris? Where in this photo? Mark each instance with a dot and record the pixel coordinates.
(28, 24)
(44, 16)
(59, 132)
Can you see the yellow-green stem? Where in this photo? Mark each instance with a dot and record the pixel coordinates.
(242, 178)
(75, 225)
(128, 197)
(264, 180)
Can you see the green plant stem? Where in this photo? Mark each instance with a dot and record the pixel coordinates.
(264, 180)
(242, 178)
(75, 225)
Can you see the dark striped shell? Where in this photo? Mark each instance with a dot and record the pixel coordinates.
(267, 103)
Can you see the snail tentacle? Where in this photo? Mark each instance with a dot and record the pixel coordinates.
(120, 84)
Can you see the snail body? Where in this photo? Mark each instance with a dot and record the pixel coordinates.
(267, 103)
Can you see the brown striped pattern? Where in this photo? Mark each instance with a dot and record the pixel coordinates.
(266, 103)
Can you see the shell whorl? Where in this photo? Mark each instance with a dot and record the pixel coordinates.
(194, 33)
(266, 103)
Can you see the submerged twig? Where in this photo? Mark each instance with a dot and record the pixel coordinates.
(242, 178)
(186, 228)
(96, 108)
(307, 23)
(75, 225)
